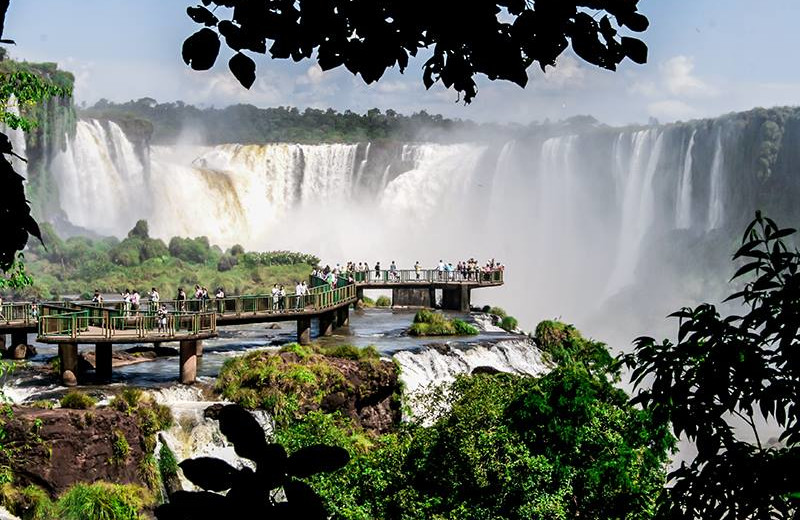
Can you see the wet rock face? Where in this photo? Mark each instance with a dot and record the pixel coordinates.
(55, 449)
(371, 396)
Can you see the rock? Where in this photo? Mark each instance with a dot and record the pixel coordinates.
(18, 352)
(273, 326)
(212, 412)
(485, 370)
(68, 378)
(118, 358)
(58, 448)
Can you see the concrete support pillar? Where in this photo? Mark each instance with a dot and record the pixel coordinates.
(188, 361)
(465, 298)
(343, 316)
(412, 297)
(18, 338)
(326, 321)
(304, 331)
(68, 358)
(102, 362)
(432, 297)
(359, 297)
(199, 347)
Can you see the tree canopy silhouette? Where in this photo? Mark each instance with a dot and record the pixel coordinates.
(725, 373)
(499, 39)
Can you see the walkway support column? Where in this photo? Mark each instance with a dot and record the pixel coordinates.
(432, 296)
(465, 298)
(304, 331)
(18, 338)
(188, 368)
(326, 320)
(68, 358)
(199, 347)
(411, 297)
(359, 297)
(343, 316)
(102, 362)
(456, 298)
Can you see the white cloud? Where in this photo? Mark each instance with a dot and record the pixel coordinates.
(568, 72)
(679, 80)
(671, 110)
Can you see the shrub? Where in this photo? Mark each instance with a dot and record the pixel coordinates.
(302, 351)
(103, 501)
(77, 401)
(383, 301)
(237, 250)
(498, 311)
(463, 328)
(367, 301)
(226, 263)
(167, 464)
(120, 449)
(194, 250)
(508, 323)
(350, 352)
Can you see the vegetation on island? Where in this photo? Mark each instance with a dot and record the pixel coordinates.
(507, 323)
(97, 501)
(431, 323)
(79, 265)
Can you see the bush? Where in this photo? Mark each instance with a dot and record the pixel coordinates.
(383, 301)
(237, 250)
(508, 323)
(226, 263)
(350, 352)
(103, 501)
(120, 449)
(153, 248)
(140, 230)
(77, 401)
(463, 328)
(194, 250)
(498, 311)
(167, 464)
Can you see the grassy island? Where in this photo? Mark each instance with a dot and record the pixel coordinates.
(429, 323)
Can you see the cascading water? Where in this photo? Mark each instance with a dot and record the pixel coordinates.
(683, 211)
(715, 204)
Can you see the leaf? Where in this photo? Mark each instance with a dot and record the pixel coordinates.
(200, 50)
(244, 69)
(303, 501)
(317, 458)
(635, 49)
(209, 473)
(202, 15)
(243, 431)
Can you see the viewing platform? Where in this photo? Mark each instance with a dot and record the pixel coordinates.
(417, 288)
(189, 322)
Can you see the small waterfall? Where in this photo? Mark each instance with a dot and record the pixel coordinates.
(715, 204)
(683, 209)
(360, 173)
(423, 371)
(17, 138)
(637, 205)
(328, 171)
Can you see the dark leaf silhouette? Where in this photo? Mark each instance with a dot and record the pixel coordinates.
(369, 38)
(200, 50)
(249, 492)
(318, 458)
(209, 473)
(244, 69)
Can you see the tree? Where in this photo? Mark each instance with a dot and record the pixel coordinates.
(499, 39)
(723, 377)
(15, 212)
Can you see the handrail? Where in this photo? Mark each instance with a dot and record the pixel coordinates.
(427, 276)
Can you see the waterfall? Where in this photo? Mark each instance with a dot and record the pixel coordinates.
(715, 205)
(361, 167)
(101, 182)
(17, 138)
(637, 205)
(683, 209)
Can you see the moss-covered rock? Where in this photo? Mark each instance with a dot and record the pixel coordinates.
(298, 379)
(429, 323)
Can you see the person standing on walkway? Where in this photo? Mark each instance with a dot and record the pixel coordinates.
(393, 271)
(135, 301)
(274, 293)
(298, 291)
(155, 299)
(126, 302)
(377, 271)
(417, 268)
(181, 299)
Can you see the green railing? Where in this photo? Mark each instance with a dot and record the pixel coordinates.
(16, 313)
(104, 324)
(427, 276)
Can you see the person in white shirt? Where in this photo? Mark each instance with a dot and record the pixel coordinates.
(298, 291)
(275, 292)
(155, 298)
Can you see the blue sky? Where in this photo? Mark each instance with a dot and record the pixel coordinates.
(707, 57)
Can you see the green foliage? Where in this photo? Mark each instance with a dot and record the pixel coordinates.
(30, 502)
(76, 400)
(120, 449)
(509, 323)
(383, 301)
(300, 350)
(148, 472)
(194, 250)
(565, 345)
(725, 370)
(349, 352)
(167, 464)
(103, 501)
(498, 311)
(430, 323)
(226, 263)
(367, 301)
(16, 277)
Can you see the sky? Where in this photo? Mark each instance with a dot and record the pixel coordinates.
(707, 57)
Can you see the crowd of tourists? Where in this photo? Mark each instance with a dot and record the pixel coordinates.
(466, 270)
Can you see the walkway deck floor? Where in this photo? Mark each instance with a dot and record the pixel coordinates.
(99, 335)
